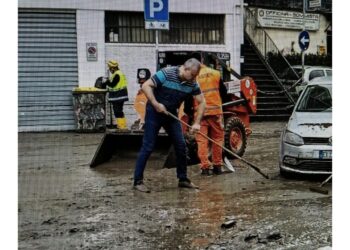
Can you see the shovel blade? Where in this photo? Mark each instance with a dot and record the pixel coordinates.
(319, 190)
(228, 164)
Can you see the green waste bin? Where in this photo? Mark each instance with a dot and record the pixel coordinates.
(90, 109)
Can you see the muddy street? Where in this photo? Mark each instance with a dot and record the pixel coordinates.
(65, 204)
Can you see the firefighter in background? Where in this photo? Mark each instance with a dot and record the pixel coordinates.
(117, 92)
(212, 123)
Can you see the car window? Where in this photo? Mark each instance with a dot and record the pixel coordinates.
(315, 98)
(315, 73)
(329, 72)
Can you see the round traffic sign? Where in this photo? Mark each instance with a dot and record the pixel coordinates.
(304, 40)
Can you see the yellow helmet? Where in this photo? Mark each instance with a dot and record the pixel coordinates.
(112, 64)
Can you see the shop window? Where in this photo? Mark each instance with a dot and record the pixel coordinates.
(129, 27)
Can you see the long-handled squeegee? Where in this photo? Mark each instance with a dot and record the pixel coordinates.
(257, 169)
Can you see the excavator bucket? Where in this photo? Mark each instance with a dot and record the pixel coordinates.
(117, 145)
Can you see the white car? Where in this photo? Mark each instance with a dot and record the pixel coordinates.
(311, 72)
(306, 142)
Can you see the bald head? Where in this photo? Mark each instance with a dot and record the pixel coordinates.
(192, 64)
(189, 70)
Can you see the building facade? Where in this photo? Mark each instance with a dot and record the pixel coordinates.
(65, 44)
(283, 21)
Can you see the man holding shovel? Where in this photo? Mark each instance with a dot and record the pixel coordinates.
(165, 91)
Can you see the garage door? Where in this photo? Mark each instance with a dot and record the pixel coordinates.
(47, 70)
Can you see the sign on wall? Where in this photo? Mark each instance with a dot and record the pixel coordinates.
(156, 14)
(91, 51)
(287, 19)
(314, 4)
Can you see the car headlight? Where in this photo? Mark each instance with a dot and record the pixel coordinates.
(293, 139)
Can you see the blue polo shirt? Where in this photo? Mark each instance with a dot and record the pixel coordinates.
(170, 90)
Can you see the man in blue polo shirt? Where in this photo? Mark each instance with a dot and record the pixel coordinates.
(165, 91)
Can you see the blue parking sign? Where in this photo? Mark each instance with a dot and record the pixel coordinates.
(157, 10)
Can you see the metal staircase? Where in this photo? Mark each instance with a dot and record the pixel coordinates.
(273, 97)
(270, 106)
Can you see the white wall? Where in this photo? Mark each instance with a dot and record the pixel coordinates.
(90, 29)
(284, 38)
(235, 34)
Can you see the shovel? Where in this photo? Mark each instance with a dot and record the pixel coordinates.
(320, 189)
(257, 169)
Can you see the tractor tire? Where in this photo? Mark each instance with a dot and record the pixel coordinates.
(235, 137)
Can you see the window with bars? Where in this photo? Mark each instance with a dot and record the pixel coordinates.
(129, 27)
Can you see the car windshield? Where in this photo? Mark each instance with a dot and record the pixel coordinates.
(316, 98)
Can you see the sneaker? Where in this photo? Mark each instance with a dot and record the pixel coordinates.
(141, 187)
(186, 183)
(205, 171)
(217, 170)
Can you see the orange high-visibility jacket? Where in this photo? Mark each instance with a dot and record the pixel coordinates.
(209, 83)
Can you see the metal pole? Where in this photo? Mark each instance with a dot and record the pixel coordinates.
(157, 48)
(303, 52)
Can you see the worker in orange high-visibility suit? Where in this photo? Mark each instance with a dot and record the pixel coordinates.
(212, 125)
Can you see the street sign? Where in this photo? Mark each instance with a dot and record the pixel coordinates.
(91, 51)
(304, 40)
(315, 4)
(156, 14)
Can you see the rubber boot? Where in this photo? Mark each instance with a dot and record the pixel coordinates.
(121, 123)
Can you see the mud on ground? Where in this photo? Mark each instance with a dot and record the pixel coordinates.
(65, 204)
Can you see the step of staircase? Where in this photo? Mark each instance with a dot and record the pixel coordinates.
(272, 102)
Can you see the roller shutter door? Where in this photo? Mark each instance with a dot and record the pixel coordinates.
(47, 70)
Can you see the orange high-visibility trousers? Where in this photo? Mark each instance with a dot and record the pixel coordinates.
(140, 106)
(213, 127)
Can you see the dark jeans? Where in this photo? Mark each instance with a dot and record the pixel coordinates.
(153, 122)
(118, 109)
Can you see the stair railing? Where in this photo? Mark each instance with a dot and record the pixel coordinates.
(267, 50)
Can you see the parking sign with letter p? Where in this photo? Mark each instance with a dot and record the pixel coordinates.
(156, 14)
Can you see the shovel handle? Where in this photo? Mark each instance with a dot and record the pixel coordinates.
(325, 181)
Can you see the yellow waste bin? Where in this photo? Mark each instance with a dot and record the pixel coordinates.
(90, 109)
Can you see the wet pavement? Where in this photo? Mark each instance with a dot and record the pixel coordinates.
(65, 204)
